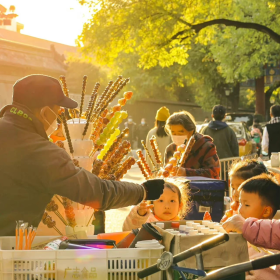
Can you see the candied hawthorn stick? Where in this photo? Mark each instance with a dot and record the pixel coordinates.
(102, 101)
(53, 207)
(92, 101)
(144, 162)
(141, 167)
(116, 158)
(148, 153)
(97, 85)
(47, 220)
(66, 93)
(114, 94)
(115, 145)
(155, 149)
(186, 153)
(83, 94)
(96, 166)
(126, 165)
(103, 94)
(69, 211)
(67, 134)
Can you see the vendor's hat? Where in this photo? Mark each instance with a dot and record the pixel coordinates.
(38, 91)
(162, 114)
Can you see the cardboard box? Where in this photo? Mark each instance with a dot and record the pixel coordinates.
(231, 252)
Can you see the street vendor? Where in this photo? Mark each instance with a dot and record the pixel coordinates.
(33, 169)
(203, 159)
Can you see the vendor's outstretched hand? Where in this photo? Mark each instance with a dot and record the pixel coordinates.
(234, 224)
(154, 188)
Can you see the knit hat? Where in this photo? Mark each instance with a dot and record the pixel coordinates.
(162, 114)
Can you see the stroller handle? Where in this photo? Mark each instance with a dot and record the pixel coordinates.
(236, 269)
(204, 246)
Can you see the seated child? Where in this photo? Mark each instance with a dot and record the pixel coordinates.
(260, 198)
(171, 206)
(240, 172)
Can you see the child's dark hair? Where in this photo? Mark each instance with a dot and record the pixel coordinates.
(266, 187)
(246, 169)
(182, 191)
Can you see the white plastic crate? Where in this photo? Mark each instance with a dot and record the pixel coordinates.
(111, 264)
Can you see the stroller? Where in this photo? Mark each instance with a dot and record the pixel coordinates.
(168, 261)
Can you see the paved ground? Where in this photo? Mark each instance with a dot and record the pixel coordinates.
(115, 218)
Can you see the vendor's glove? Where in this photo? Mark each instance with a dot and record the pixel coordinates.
(234, 223)
(154, 188)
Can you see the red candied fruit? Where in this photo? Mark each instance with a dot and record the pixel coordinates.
(127, 95)
(116, 108)
(122, 101)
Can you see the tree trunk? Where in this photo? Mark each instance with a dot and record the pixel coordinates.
(260, 96)
(234, 98)
(267, 106)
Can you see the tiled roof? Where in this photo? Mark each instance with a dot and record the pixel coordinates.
(29, 57)
(35, 42)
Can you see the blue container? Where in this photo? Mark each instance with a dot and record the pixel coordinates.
(206, 194)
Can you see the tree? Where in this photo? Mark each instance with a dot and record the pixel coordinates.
(198, 81)
(78, 67)
(242, 35)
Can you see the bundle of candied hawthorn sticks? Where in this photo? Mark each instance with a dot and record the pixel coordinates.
(172, 167)
(24, 235)
(112, 162)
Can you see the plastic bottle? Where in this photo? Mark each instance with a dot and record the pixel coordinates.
(217, 226)
(161, 225)
(182, 228)
(175, 225)
(213, 231)
(150, 244)
(194, 225)
(193, 232)
(205, 230)
(206, 223)
(199, 227)
(189, 223)
(211, 225)
(187, 230)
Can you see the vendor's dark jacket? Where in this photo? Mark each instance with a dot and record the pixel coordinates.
(202, 160)
(32, 170)
(224, 138)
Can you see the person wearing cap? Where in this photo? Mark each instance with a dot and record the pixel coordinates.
(163, 139)
(223, 136)
(33, 169)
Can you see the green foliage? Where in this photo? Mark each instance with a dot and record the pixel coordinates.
(78, 67)
(153, 42)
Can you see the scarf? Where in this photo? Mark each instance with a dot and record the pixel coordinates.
(274, 120)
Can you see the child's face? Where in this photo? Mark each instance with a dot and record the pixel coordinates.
(167, 206)
(235, 182)
(251, 206)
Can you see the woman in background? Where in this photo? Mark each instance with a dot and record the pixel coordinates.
(163, 139)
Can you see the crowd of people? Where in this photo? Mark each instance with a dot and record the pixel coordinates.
(35, 169)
